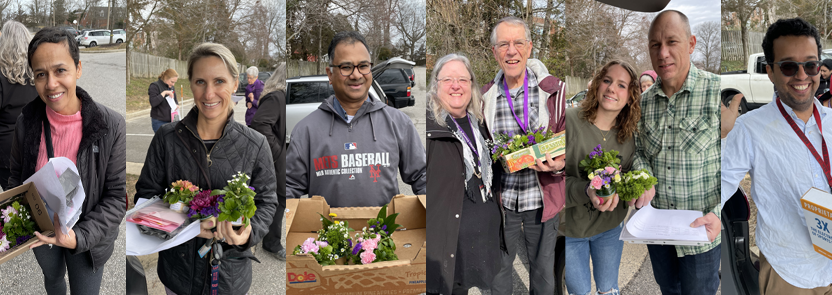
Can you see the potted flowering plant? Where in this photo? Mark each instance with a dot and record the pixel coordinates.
(17, 226)
(601, 168)
(634, 184)
(333, 244)
(374, 243)
(236, 200)
(204, 206)
(180, 194)
(519, 151)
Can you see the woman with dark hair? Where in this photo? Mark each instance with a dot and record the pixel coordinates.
(608, 116)
(270, 120)
(464, 222)
(159, 92)
(17, 87)
(823, 88)
(207, 148)
(93, 137)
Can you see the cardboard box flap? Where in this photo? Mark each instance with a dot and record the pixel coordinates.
(353, 213)
(306, 217)
(291, 210)
(31, 199)
(423, 200)
(412, 214)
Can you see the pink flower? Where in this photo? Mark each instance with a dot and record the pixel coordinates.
(367, 257)
(596, 182)
(321, 243)
(609, 170)
(370, 244)
(7, 213)
(309, 246)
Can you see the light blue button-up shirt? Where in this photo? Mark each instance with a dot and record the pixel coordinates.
(782, 169)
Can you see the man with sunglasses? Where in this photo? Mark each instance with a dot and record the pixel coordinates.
(351, 148)
(678, 142)
(524, 96)
(783, 145)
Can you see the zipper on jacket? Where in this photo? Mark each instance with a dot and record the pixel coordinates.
(208, 152)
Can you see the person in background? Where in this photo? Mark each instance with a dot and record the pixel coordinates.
(648, 78)
(823, 88)
(159, 91)
(253, 91)
(465, 221)
(89, 134)
(270, 120)
(17, 87)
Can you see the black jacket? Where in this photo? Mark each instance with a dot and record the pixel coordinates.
(270, 120)
(101, 162)
(172, 156)
(160, 110)
(446, 177)
(12, 99)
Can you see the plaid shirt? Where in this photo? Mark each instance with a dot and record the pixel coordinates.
(521, 191)
(678, 141)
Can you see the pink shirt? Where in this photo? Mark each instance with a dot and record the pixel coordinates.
(66, 136)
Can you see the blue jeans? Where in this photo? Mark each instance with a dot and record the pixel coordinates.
(688, 275)
(605, 249)
(57, 262)
(157, 124)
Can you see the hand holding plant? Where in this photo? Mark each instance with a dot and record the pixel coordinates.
(236, 200)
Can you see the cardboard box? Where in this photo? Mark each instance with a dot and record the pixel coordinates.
(39, 215)
(405, 276)
(817, 208)
(524, 158)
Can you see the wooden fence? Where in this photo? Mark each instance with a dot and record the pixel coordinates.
(297, 68)
(732, 44)
(575, 85)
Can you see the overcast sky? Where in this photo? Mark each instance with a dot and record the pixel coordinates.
(698, 11)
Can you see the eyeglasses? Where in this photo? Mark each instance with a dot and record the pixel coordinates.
(347, 69)
(447, 81)
(789, 68)
(520, 45)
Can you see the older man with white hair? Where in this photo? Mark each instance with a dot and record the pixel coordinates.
(524, 96)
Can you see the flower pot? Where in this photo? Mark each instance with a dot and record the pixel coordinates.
(179, 207)
(210, 218)
(605, 193)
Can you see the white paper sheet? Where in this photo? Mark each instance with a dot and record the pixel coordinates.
(237, 98)
(143, 244)
(50, 190)
(659, 224)
(172, 103)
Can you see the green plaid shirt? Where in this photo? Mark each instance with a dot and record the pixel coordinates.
(678, 141)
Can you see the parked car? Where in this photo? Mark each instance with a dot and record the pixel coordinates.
(94, 38)
(71, 30)
(575, 100)
(395, 82)
(305, 94)
(262, 76)
(753, 83)
(412, 76)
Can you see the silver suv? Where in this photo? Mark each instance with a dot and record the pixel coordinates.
(94, 38)
(304, 95)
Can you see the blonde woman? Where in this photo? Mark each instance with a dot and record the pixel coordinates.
(159, 92)
(17, 87)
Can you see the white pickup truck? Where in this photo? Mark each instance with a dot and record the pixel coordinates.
(752, 82)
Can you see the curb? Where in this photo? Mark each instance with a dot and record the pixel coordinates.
(146, 112)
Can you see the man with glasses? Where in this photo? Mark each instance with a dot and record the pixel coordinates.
(678, 142)
(524, 96)
(350, 149)
(784, 148)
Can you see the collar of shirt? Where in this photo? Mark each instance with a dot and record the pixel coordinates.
(690, 83)
(340, 110)
(500, 78)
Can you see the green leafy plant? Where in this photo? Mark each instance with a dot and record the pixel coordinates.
(236, 200)
(599, 159)
(374, 243)
(333, 241)
(17, 227)
(634, 184)
(507, 142)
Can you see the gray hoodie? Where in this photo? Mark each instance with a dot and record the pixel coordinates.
(354, 164)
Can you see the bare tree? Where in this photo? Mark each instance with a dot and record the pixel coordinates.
(743, 10)
(708, 43)
(411, 25)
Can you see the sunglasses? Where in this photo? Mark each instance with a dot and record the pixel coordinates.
(789, 68)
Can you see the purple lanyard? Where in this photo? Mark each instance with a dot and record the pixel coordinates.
(467, 140)
(525, 127)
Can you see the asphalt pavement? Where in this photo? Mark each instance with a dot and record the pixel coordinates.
(102, 77)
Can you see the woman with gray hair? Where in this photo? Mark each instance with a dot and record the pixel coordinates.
(270, 120)
(17, 87)
(253, 91)
(207, 147)
(464, 221)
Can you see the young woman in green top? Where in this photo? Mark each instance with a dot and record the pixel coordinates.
(608, 116)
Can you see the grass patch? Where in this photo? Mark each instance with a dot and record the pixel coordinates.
(732, 65)
(131, 188)
(137, 98)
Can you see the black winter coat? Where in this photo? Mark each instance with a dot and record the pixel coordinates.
(160, 110)
(446, 194)
(172, 156)
(13, 97)
(270, 120)
(101, 162)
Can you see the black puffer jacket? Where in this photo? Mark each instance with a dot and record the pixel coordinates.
(13, 97)
(270, 120)
(171, 157)
(101, 162)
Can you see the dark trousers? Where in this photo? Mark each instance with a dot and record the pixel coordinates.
(57, 261)
(271, 242)
(539, 239)
(688, 275)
